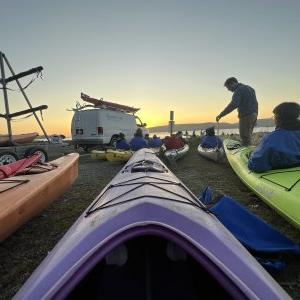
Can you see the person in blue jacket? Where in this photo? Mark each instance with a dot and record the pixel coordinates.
(155, 142)
(138, 142)
(122, 143)
(244, 100)
(210, 140)
(280, 148)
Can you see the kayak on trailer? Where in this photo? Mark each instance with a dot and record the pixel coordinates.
(147, 236)
(18, 138)
(118, 155)
(279, 188)
(24, 196)
(98, 154)
(215, 154)
(175, 154)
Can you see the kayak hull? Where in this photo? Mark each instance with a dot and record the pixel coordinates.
(98, 154)
(175, 154)
(280, 188)
(118, 155)
(215, 154)
(21, 200)
(146, 199)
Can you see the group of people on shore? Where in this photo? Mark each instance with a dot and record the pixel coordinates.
(278, 149)
(175, 141)
(138, 141)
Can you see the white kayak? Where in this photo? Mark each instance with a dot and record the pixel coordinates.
(175, 154)
(215, 154)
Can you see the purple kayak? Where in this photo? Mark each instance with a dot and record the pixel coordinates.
(147, 236)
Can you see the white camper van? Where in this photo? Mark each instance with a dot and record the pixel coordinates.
(92, 127)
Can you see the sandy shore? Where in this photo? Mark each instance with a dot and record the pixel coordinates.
(21, 253)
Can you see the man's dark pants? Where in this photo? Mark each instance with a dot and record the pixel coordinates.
(246, 126)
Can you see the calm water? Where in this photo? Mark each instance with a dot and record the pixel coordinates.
(221, 131)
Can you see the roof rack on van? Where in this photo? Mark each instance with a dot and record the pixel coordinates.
(99, 103)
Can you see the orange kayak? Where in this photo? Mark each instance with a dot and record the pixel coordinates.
(22, 197)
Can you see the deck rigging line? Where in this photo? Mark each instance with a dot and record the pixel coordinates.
(288, 189)
(159, 185)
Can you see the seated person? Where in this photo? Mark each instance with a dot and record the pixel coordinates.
(210, 140)
(147, 137)
(280, 148)
(155, 142)
(138, 142)
(122, 143)
(179, 134)
(173, 142)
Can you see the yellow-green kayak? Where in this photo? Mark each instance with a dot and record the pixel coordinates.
(118, 155)
(98, 154)
(278, 188)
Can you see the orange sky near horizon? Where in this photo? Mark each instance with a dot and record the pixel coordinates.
(56, 120)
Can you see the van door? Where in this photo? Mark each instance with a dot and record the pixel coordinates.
(90, 125)
(84, 126)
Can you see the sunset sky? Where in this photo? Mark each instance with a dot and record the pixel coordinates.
(156, 55)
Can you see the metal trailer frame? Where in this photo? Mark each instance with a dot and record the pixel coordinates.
(15, 77)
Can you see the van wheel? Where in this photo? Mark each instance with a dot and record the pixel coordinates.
(7, 157)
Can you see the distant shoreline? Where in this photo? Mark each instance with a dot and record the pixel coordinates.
(201, 126)
(221, 131)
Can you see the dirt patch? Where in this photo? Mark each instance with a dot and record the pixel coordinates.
(21, 253)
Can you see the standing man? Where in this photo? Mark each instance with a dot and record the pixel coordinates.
(244, 99)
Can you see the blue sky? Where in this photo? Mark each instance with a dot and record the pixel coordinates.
(157, 55)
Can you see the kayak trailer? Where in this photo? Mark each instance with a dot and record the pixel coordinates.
(13, 151)
(10, 154)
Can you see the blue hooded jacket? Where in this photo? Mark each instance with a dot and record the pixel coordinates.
(155, 143)
(122, 144)
(138, 143)
(211, 142)
(279, 149)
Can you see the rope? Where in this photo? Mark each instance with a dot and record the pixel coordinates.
(22, 118)
(34, 77)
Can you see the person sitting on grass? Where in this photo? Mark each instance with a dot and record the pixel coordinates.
(174, 142)
(122, 143)
(179, 134)
(138, 142)
(210, 140)
(155, 142)
(280, 148)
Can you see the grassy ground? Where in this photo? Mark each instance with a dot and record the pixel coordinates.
(21, 253)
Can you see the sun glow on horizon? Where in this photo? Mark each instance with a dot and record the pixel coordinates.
(55, 124)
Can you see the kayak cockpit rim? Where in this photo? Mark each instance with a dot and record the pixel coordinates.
(159, 183)
(69, 283)
(145, 165)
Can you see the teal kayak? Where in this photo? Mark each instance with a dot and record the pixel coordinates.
(279, 188)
